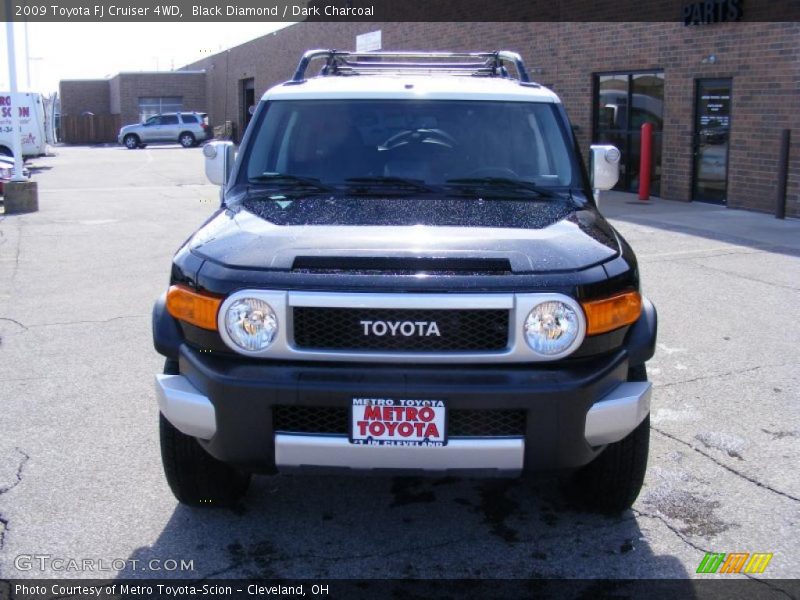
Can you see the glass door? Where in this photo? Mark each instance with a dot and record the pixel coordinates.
(623, 102)
(711, 132)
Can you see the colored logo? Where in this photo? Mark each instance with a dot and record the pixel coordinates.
(734, 562)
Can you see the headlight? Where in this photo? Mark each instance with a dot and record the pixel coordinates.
(251, 324)
(551, 327)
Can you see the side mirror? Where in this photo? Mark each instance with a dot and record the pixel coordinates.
(219, 161)
(605, 166)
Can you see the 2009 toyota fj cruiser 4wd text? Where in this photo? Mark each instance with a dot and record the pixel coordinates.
(408, 272)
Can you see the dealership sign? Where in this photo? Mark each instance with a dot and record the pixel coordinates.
(712, 11)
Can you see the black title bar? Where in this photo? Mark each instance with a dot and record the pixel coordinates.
(687, 11)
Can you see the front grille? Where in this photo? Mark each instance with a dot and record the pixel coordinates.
(462, 422)
(488, 423)
(344, 329)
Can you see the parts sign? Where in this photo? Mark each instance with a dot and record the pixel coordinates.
(389, 422)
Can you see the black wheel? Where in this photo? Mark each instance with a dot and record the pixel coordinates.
(5, 152)
(186, 139)
(195, 477)
(131, 141)
(637, 373)
(612, 481)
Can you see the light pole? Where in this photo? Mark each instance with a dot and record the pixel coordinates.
(31, 79)
(19, 194)
(16, 146)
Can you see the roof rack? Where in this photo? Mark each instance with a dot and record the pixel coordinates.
(488, 64)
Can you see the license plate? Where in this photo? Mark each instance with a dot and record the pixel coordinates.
(389, 422)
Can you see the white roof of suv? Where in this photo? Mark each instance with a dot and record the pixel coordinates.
(413, 75)
(402, 86)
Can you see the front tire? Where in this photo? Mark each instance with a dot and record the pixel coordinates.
(195, 477)
(612, 481)
(131, 141)
(186, 139)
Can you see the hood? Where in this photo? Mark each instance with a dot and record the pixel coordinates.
(532, 236)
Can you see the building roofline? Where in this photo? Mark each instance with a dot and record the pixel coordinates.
(110, 77)
(178, 72)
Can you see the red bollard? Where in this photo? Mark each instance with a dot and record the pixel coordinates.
(645, 161)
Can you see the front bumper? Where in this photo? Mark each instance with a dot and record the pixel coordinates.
(571, 411)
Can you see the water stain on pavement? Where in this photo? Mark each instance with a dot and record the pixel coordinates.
(730, 444)
(496, 507)
(696, 514)
(256, 559)
(406, 490)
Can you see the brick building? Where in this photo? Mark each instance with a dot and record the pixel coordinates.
(92, 110)
(718, 95)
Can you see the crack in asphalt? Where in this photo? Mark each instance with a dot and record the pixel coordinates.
(4, 521)
(669, 526)
(687, 255)
(769, 585)
(726, 467)
(728, 374)
(741, 276)
(3, 529)
(37, 325)
(242, 562)
(16, 254)
(25, 458)
(88, 322)
(15, 322)
(688, 542)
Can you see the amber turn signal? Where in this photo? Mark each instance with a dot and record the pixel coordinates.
(193, 307)
(612, 313)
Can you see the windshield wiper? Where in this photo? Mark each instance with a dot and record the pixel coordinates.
(498, 184)
(292, 182)
(366, 184)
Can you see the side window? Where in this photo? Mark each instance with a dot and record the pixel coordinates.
(153, 121)
(189, 118)
(169, 120)
(272, 151)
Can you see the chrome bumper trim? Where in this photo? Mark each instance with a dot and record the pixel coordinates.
(190, 411)
(295, 451)
(618, 413)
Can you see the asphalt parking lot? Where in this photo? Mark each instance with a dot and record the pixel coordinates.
(80, 470)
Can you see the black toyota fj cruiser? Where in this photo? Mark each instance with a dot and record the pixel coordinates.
(407, 273)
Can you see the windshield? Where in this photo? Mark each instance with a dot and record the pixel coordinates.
(430, 143)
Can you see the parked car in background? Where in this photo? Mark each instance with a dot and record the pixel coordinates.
(185, 128)
(7, 169)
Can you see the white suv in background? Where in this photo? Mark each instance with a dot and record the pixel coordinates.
(185, 128)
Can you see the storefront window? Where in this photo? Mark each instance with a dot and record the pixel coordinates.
(159, 105)
(623, 103)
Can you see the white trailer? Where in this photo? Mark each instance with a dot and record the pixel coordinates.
(36, 125)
